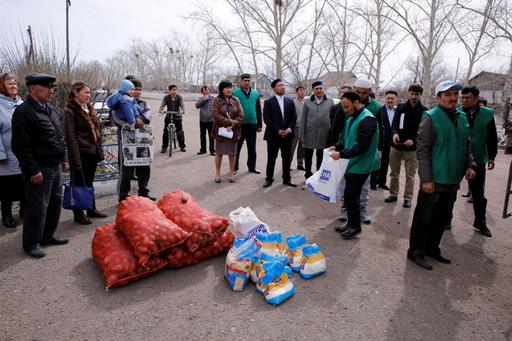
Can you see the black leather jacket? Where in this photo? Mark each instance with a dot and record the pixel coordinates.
(37, 137)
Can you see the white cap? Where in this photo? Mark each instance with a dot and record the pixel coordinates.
(446, 85)
(363, 83)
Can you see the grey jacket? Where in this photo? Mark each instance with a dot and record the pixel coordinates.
(205, 109)
(315, 122)
(7, 106)
(299, 106)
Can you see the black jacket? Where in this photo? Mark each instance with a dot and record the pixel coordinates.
(386, 131)
(37, 137)
(338, 119)
(365, 131)
(273, 118)
(411, 123)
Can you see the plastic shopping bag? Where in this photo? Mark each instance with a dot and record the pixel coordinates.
(239, 262)
(275, 283)
(313, 261)
(326, 181)
(295, 244)
(246, 224)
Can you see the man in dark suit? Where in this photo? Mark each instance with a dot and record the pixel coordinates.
(279, 116)
(387, 113)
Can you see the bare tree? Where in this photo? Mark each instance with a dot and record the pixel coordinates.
(474, 34)
(427, 22)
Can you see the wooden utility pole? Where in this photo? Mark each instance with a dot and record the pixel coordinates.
(68, 65)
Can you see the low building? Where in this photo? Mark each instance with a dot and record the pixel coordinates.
(491, 86)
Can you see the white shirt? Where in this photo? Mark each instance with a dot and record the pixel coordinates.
(280, 101)
(391, 114)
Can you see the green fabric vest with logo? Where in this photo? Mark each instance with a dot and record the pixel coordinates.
(448, 158)
(479, 135)
(369, 160)
(248, 105)
(373, 107)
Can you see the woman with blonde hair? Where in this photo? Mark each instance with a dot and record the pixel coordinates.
(11, 181)
(81, 129)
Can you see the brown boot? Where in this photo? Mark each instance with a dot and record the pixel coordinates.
(80, 218)
(96, 214)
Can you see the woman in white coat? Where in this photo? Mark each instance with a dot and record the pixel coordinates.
(11, 181)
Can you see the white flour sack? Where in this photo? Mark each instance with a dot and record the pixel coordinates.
(313, 262)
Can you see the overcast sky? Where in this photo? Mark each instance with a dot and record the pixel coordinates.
(100, 27)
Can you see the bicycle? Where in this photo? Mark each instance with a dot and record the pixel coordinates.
(171, 130)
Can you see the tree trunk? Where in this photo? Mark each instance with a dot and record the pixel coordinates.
(507, 122)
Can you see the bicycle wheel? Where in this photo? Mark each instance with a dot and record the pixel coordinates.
(171, 137)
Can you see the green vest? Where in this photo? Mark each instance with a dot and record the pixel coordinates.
(248, 105)
(448, 158)
(479, 135)
(369, 160)
(373, 107)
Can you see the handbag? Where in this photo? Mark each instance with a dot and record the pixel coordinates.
(77, 197)
(223, 131)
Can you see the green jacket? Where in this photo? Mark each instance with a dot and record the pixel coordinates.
(479, 135)
(369, 160)
(249, 105)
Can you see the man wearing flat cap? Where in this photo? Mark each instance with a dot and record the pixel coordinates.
(38, 143)
(250, 100)
(280, 117)
(315, 125)
(444, 157)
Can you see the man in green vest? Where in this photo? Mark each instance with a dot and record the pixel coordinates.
(252, 123)
(444, 157)
(359, 144)
(484, 145)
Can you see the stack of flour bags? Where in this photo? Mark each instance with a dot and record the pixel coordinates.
(269, 263)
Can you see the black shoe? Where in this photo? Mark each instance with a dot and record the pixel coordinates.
(373, 187)
(96, 214)
(301, 168)
(385, 187)
(212, 153)
(55, 241)
(419, 260)
(8, 221)
(391, 198)
(439, 257)
(200, 152)
(351, 232)
(289, 183)
(483, 230)
(82, 219)
(267, 184)
(164, 150)
(35, 252)
(183, 149)
(149, 197)
(407, 203)
(341, 228)
(255, 171)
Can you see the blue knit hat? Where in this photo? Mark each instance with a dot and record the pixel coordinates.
(125, 86)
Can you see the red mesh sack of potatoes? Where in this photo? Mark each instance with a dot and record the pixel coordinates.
(180, 257)
(147, 229)
(116, 260)
(184, 210)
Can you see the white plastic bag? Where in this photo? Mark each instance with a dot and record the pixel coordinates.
(245, 223)
(326, 181)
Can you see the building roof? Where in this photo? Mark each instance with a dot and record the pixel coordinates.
(334, 78)
(489, 81)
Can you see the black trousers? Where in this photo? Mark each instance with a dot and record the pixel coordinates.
(308, 160)
(89, 165)
(273, 147)
(143, 174)
(180, 134)
(384, 164)
(353, 187)
(42, 207)
(477, 187)
(430, 216)
(248, 134)
(206, 127)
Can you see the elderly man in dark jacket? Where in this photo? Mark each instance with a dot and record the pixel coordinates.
(38, 143)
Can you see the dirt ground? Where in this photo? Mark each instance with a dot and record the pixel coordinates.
(370, 292)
